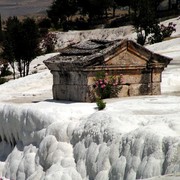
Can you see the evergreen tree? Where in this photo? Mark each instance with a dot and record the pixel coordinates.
(93, 8)
(61, 10)
(144, 17)
(20, 44)
(10, 41)
(1, 32)
(29, 44)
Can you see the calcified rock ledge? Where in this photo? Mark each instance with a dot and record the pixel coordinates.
(81, 143)
(136, 137)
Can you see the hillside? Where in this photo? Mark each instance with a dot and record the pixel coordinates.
(25, 2)
(23, 7)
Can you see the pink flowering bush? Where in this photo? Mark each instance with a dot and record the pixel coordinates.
(168, 30)
(160, 32)
(48, 43)
(107, 86)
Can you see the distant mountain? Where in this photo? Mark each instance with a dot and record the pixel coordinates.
(23, 7)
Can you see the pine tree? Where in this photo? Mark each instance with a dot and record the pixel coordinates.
(29, 44)
(144, 17)
(20, 44)
(61, 10)
(1, 32)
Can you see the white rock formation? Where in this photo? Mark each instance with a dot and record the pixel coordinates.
(133, 138)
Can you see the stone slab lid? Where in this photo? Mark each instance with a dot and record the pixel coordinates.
(85, 48)
(96, 52)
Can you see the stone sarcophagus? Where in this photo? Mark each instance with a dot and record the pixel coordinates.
(75, 69)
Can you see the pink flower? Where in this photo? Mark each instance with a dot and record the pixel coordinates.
(105, 81)
(103, 86)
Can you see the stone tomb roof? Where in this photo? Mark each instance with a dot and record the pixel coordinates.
(84, 55)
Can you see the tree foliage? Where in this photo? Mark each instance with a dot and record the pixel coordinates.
(61, 10)
(94, 8)
(144, 17)
(20, 44)
(160, 32)
(29, 43)
(143, 12)
(1, 31)
(10, 40)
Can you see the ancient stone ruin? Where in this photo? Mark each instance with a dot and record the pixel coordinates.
(75, 68)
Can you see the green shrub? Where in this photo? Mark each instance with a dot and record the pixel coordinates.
(2, 80)
(44, 23)
(168, 30)
(160, 32)
(100, 104)
(5, 71)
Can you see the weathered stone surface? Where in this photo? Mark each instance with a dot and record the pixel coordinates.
(137, 78)
(71, 92)
(126, 59)
(74, 70)
(144, 89)
(139, 89)
(91, 80)
(156, 77)
(69, 78)
(156, 88)
(124, 91)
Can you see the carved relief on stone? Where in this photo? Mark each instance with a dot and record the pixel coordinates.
(126, 59)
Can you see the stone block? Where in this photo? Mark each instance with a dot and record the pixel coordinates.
(124, 91)
(70, 92)
(156, 77)
(69, 78)
(137, 78)
(156, 88)
(139, 89)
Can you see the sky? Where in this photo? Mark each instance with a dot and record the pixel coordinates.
(71, 140)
